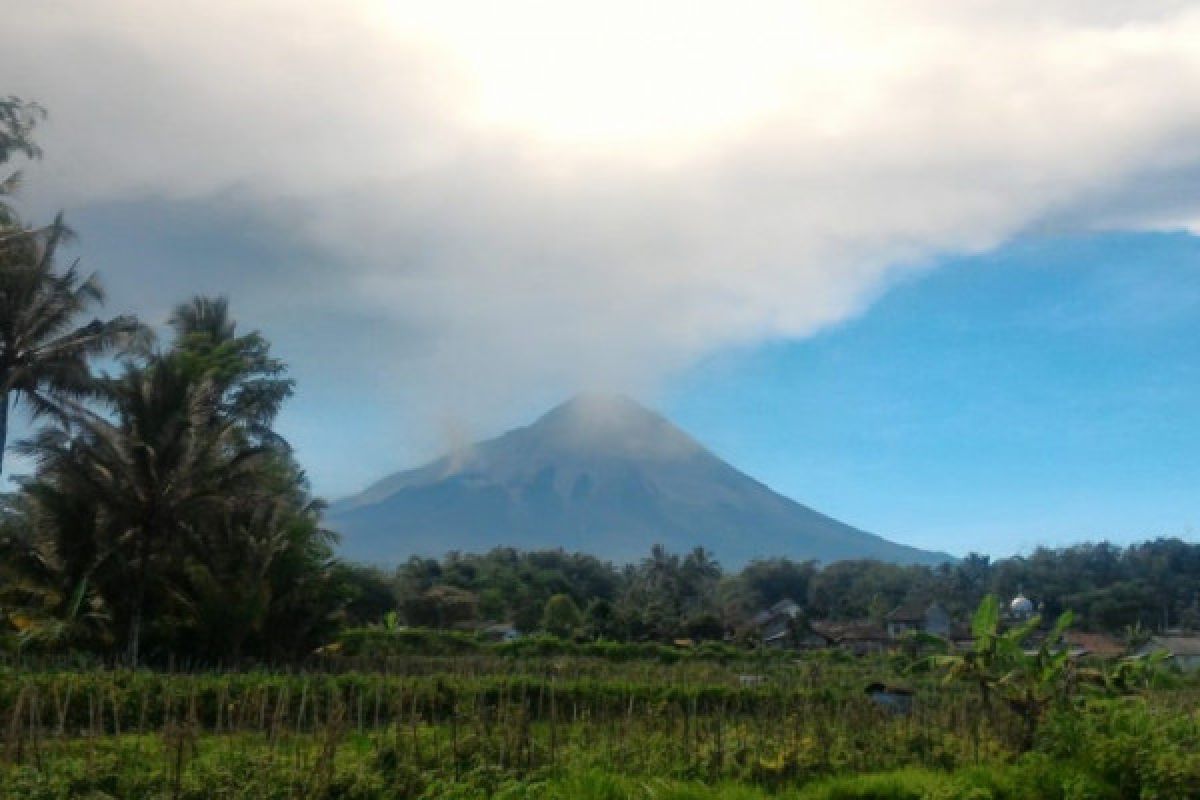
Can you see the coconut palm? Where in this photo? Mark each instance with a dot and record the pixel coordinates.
(251, 384)
(153, 470)
(236, 572)
(224, 585)
(43, 602)
(44, 352)
(17, 121)
(51, 620)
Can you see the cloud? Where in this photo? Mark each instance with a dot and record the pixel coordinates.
(524, 198)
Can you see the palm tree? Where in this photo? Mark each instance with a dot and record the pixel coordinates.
(17, 121)
(224, 581)
(238, 569)
(251, 384)
(698, 575)
(159, 467)
(44, 354)
(43, 601)
(48, 619)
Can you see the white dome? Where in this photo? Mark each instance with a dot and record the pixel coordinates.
(1021, 605)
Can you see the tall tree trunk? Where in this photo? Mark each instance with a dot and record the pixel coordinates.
(135, 635)
(139, 602)
(3, 428)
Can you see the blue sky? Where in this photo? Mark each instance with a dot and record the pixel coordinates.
(1045, 393)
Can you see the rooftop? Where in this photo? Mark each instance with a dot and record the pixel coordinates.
(1177, 645)
(1097, 644)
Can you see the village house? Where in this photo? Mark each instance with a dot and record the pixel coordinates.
(1182, 651)
(915, 616)
(860, 638)
(501, 632)
(1094, 645)
(775, 624)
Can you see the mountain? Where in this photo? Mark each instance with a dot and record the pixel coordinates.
(599, 474)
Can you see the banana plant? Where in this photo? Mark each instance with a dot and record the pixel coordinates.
(999, 667)
(1034, 682)
(1130, 675)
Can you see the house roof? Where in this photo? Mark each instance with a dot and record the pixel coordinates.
(1177, 645)
(1097, 644)
(912, 611)
(849, 631)
(785, 609)
(785, 606)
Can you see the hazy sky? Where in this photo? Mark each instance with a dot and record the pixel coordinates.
(928, 266)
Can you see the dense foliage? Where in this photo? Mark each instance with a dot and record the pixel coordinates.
(1147, 586)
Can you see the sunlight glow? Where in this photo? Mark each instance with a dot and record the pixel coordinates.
(669, 75)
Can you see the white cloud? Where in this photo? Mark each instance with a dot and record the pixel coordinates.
(550, 197)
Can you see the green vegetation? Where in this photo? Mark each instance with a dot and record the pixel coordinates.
(1123, 591)
(576, 727)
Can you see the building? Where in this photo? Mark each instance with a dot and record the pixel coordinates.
(1021, 608)
(860, 638)
(1094, 645)
(1182, 651)
(913, 616)
(501, 632)
(775, 624)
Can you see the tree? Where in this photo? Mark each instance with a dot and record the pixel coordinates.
(452, 606)
(44, 354)
(43, 604)
(369, 591)
(769, 581)
(250, 385)
(601, 620)
(172, 494)
(698, 576)
(17, 122)
(53, 621)
(228, 580)
(561, 617)
(652, 602)
(704, 627)
(152, 472)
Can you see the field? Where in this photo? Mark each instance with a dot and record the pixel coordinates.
(574, 726)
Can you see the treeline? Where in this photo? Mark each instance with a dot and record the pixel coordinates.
(1151, 586)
